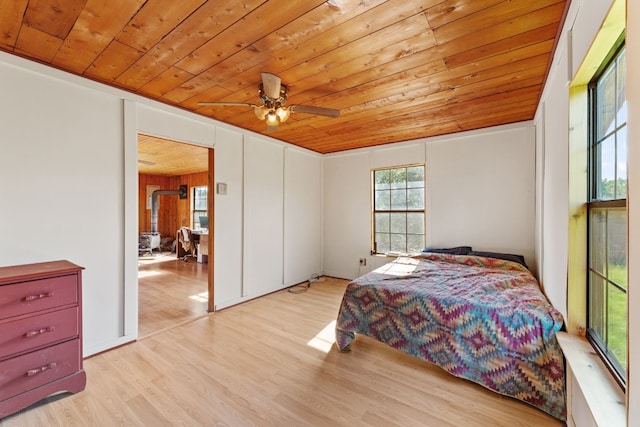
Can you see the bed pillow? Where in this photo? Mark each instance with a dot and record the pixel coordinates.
(458, 250)
(507, 257)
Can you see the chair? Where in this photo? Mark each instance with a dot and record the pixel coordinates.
(186, 240)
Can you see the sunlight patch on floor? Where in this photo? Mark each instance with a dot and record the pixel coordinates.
(148, 273)
(201, 297)
(156, 258)
(325, 338)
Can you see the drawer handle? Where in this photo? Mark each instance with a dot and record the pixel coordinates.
(39, 331)
(32, 372)
(39, 296)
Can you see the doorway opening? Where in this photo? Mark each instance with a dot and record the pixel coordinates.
(175, 228)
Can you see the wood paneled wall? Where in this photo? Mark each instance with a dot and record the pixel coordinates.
(173, 212)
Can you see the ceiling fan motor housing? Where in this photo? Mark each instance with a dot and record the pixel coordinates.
(273, 102)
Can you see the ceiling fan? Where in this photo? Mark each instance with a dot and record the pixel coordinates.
(273, 95)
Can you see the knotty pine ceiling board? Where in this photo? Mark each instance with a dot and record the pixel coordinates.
(53, 17)
(397, 69)
(160, 156)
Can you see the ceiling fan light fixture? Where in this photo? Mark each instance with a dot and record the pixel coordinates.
(283, 114)
(272, 119)
(261, 112)
(273, 96)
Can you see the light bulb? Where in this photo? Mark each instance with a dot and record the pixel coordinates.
(272, 119)
(283, 114)
(261, 112)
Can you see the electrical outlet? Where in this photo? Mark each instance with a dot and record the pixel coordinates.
(363, 261)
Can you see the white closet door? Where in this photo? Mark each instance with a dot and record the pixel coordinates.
(263, 217)
(302, 216)
(228, 218)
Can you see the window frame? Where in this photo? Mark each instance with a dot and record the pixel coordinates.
(595, 202)
(374, 211)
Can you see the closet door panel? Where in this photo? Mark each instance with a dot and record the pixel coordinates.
(302, 216)
(263, 217)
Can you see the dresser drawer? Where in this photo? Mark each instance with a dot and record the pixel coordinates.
(17, 336)
(20, 374)
(37, 295)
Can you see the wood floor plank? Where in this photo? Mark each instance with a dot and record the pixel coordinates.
(257, 364)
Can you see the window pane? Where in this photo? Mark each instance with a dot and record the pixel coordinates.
(606, 94)
(415, 198)
(597, 304)
(597, 240)
(398, 178)
(383, 242)
(621, 163)
(617, 324)
(399, 199)
(200, 198)
(617, 246)
(382, 179)
(415, 177)
(607, 169)
(621, 101)
(398, 243)
(398, 223)
(415, 243)
(382, 200)
(415, 223)
(382, 222)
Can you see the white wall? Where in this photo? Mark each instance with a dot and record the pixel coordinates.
(61, 191)
(555, 216)
(480, 192)
(346, 213)
(68, 168)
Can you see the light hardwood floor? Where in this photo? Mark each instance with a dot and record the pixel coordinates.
(171, 291)
(267, 363)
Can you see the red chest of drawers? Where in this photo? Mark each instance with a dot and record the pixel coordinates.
(40, 333)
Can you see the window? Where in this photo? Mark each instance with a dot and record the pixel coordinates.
(398, 209)
(607, 215)
(199, 206)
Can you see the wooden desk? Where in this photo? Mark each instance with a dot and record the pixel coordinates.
(202, 253)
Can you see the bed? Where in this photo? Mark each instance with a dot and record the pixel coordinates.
(479, 318)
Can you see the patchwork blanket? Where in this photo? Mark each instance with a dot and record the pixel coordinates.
(478, 318)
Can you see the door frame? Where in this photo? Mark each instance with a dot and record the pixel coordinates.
(211, 214)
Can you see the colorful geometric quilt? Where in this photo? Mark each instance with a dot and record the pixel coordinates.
(478, 318)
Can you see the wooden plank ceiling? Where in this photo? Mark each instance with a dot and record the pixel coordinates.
(397, 69)
(159, 156)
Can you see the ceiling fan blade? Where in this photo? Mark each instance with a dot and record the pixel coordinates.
(271, 85)
(232, 104)
(319, 111)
